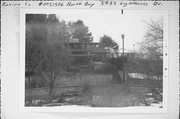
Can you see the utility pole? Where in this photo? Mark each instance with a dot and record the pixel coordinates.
(123, 57)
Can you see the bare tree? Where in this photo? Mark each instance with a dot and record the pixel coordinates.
(55, 58)
(46, 56)
(149, 60)
(152, 46)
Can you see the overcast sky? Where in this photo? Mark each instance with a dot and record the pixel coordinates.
(111, 22)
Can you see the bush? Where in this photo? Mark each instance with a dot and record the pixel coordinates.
(104, 68)
(119, 62)
(35, 82)
(85, 92)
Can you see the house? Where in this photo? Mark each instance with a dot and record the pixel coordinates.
(85, 52)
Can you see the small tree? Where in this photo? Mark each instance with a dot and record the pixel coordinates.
(54, 63)
(149, 60)
(55, 55)
(152, 46)
(46, 55)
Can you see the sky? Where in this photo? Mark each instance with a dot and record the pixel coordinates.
(112, 23)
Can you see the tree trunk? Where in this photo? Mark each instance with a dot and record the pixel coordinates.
(116, 79)
(51, 86)
(30, 92)
(51, 89)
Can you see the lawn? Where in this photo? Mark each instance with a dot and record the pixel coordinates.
(94, 90)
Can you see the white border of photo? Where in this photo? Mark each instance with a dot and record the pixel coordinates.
(13, 52)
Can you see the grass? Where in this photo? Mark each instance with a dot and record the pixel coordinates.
(96, 91)
(76, 79)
